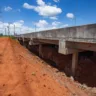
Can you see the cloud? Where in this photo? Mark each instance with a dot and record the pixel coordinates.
(44, 9)
(48, 11)
(27, 6)
(55, 23)
(19, 27)
(11, 9)
(54, 18)
(56, 0)
(41, 24)
(44, 25)
(65, 25)
(40, 2)
(21, 21)
(8, 8)
(70, 15)
(18, 23)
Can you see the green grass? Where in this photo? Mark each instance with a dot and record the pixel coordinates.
(8, 36)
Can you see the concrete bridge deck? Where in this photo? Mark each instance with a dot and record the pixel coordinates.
(70, 40)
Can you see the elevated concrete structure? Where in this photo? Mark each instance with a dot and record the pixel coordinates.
(70, 40)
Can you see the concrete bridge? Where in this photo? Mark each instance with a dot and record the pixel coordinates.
(69, 40)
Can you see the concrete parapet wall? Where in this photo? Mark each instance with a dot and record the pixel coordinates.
(86, 32)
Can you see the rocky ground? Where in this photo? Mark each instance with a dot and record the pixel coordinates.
(24, 74)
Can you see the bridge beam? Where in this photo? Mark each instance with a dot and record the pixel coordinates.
(81, 45)
(64, 49)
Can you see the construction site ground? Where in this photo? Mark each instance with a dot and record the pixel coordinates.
(24, 74)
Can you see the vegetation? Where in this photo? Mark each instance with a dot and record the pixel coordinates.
(1, 35)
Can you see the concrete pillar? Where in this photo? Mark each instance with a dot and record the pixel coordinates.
(94, 54)
(74, 63)
(26, 44)
(40, 50)
(23, 40)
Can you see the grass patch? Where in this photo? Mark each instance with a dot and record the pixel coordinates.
(12, 37)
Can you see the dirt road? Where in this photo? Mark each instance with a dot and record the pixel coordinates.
(22, 74)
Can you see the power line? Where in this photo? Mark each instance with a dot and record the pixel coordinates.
(8, 28)
(35, 27)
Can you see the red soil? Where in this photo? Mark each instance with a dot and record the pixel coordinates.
(22, 73)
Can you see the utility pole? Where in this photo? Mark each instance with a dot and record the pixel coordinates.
(0, 14)
(75, 17)
(14, 29)
(1, 19)
(35, 27)
(5, 32)
(8, 29)
(20, 29)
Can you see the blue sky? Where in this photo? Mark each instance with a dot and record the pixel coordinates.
(46, 14)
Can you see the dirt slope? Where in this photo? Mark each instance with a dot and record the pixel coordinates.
(22, 74)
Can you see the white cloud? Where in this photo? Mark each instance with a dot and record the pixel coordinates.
(65, 25)
(55, 23)
(56, 0)
(40, 2)
(41, 24)
(44, 9)
(44, 25)
(18, 23)
(48, 10)
(54, 18)
(27, 6)
(19, 27)
(8, 8)
(21, 21)
(70, 15)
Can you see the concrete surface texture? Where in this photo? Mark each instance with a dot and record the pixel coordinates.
(83, 33)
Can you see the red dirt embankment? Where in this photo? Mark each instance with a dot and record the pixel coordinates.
(22, 73)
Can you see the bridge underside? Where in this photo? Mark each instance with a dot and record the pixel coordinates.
(68, 40)
(64, 47)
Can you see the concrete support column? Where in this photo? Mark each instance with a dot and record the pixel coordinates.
(94, 54)
(26, 44)
(23, 40)
(74, 63)
(40, 50)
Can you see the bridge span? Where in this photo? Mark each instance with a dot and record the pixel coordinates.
(69, 40)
